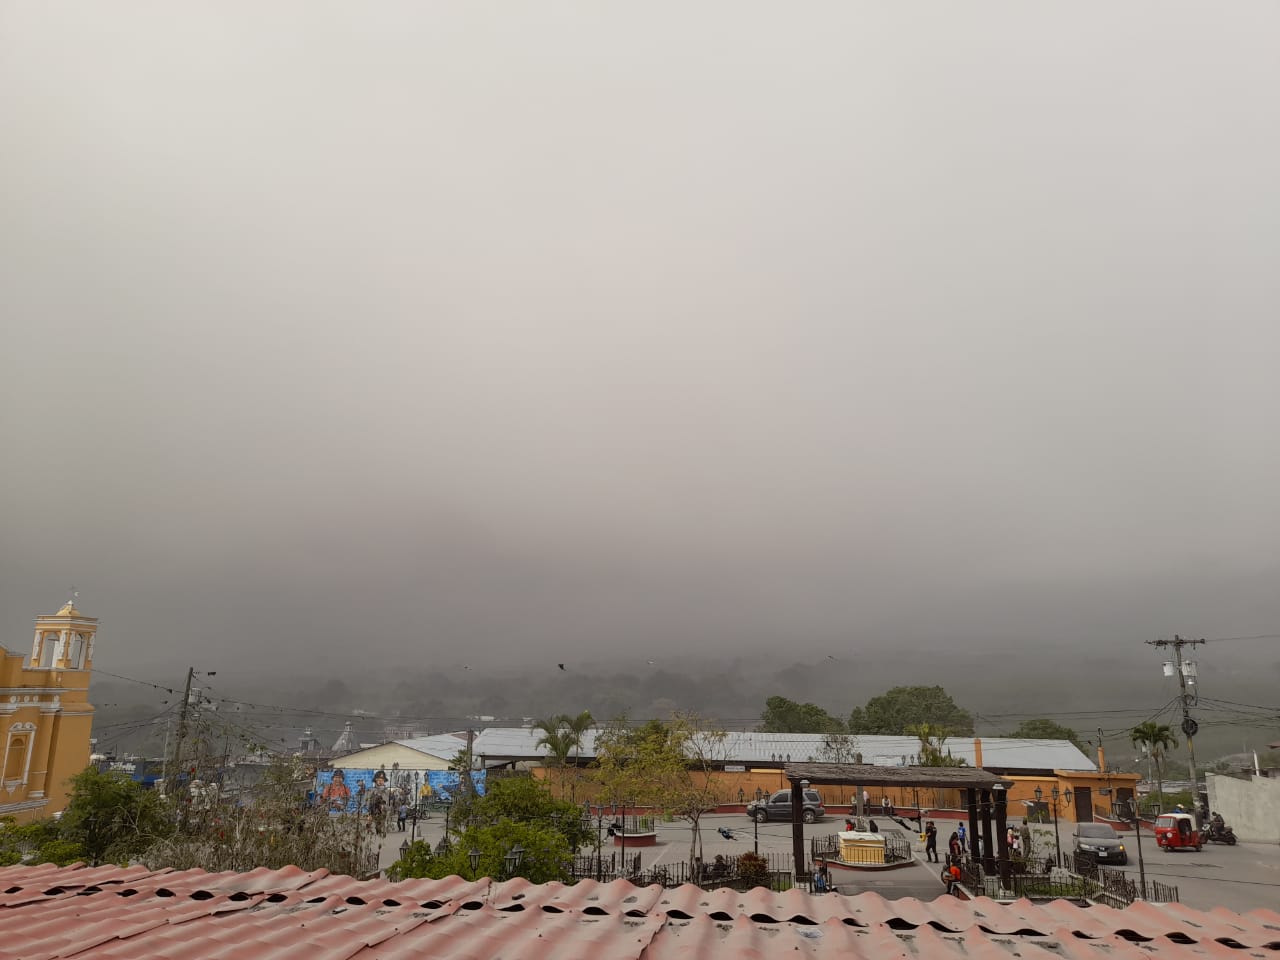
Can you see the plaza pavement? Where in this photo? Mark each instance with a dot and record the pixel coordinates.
(1241, 878)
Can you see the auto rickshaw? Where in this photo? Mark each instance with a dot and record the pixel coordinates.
(1177, 831)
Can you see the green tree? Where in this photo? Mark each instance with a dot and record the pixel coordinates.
(558, 743)
(896, 711)
(933, 751)
(562, 736)
(523, 799)
(786, 716)
(1157, 738)
(37, 842)
(1044, 729)
(544, 854)
(112, 817)
(672, 767)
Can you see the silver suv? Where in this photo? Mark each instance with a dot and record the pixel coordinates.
(778, 807)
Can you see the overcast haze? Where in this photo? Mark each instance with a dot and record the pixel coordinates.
(340, 333)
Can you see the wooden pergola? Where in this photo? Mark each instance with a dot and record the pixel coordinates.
(984, 798)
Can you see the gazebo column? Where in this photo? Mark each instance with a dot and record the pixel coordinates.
(1002, 839)
(971, 800)
(797, 827)
(988, 848)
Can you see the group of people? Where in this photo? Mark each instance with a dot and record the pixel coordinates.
(958, 843)
(886, 804)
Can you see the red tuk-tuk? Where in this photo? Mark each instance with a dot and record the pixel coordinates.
(1177, 831)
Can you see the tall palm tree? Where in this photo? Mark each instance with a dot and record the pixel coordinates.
(558, 741)
(1157, 738)
(575, 728)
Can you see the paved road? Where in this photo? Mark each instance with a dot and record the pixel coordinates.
(1241, 878)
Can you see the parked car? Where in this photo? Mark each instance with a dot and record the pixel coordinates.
(1099, 840)
(778, 807)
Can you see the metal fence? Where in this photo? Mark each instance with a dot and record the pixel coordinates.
(723, 871)
(1085, 880)
(897, 848)
(604, 867)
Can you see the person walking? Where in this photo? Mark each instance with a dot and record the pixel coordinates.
(960, 833)
(930, 843)
(953, 848)
(402, 815)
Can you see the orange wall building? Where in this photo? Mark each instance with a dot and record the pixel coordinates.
(45, 715)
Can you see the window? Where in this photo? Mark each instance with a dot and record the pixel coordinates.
(48, 649)
(17, 758)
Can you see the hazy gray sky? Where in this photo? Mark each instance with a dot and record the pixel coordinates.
(337, 331)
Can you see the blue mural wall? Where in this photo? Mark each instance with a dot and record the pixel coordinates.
(342, 790)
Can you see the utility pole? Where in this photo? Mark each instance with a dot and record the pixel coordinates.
(1189, 726)
(468, 785)
(171, 786)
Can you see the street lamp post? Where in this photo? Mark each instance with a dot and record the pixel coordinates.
(474, 857)
(1137, 834)
(624, 838)
(513, 859)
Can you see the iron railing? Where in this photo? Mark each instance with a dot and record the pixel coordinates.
(897, 848)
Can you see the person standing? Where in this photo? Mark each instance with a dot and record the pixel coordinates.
(953, 848)
(961, 836)
(930, 843)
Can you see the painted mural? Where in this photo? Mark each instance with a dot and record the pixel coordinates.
(372, 790)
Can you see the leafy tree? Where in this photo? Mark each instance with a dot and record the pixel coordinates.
(933, 752)
(545, 854)
(112, 817)
(1157, 738)
(523, 800)
(671, 766)
(753, 869)
(897, 711)
(786, 716)
(37, 842)
(633, 765)
(1045, 729)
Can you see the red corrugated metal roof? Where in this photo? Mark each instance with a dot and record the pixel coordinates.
(289, 914)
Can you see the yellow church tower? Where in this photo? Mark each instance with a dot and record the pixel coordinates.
(45, 715)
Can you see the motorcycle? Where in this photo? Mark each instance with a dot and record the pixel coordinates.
(1220, 834)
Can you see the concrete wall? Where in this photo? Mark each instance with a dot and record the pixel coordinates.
(1250, 807)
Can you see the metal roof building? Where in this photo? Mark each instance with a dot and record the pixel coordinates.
(134, 913)
(998, 753)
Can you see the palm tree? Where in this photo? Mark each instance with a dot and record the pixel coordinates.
(1157, 738)
(558, 741)
(575, 728)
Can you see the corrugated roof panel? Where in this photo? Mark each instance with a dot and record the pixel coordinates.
(751, 746)
(443, 746)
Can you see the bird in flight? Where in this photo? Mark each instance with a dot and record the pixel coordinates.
(651, 662)
(560, 665)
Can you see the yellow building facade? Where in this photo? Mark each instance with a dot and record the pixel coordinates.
(45, 715)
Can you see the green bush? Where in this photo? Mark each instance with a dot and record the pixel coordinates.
(753, 869)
